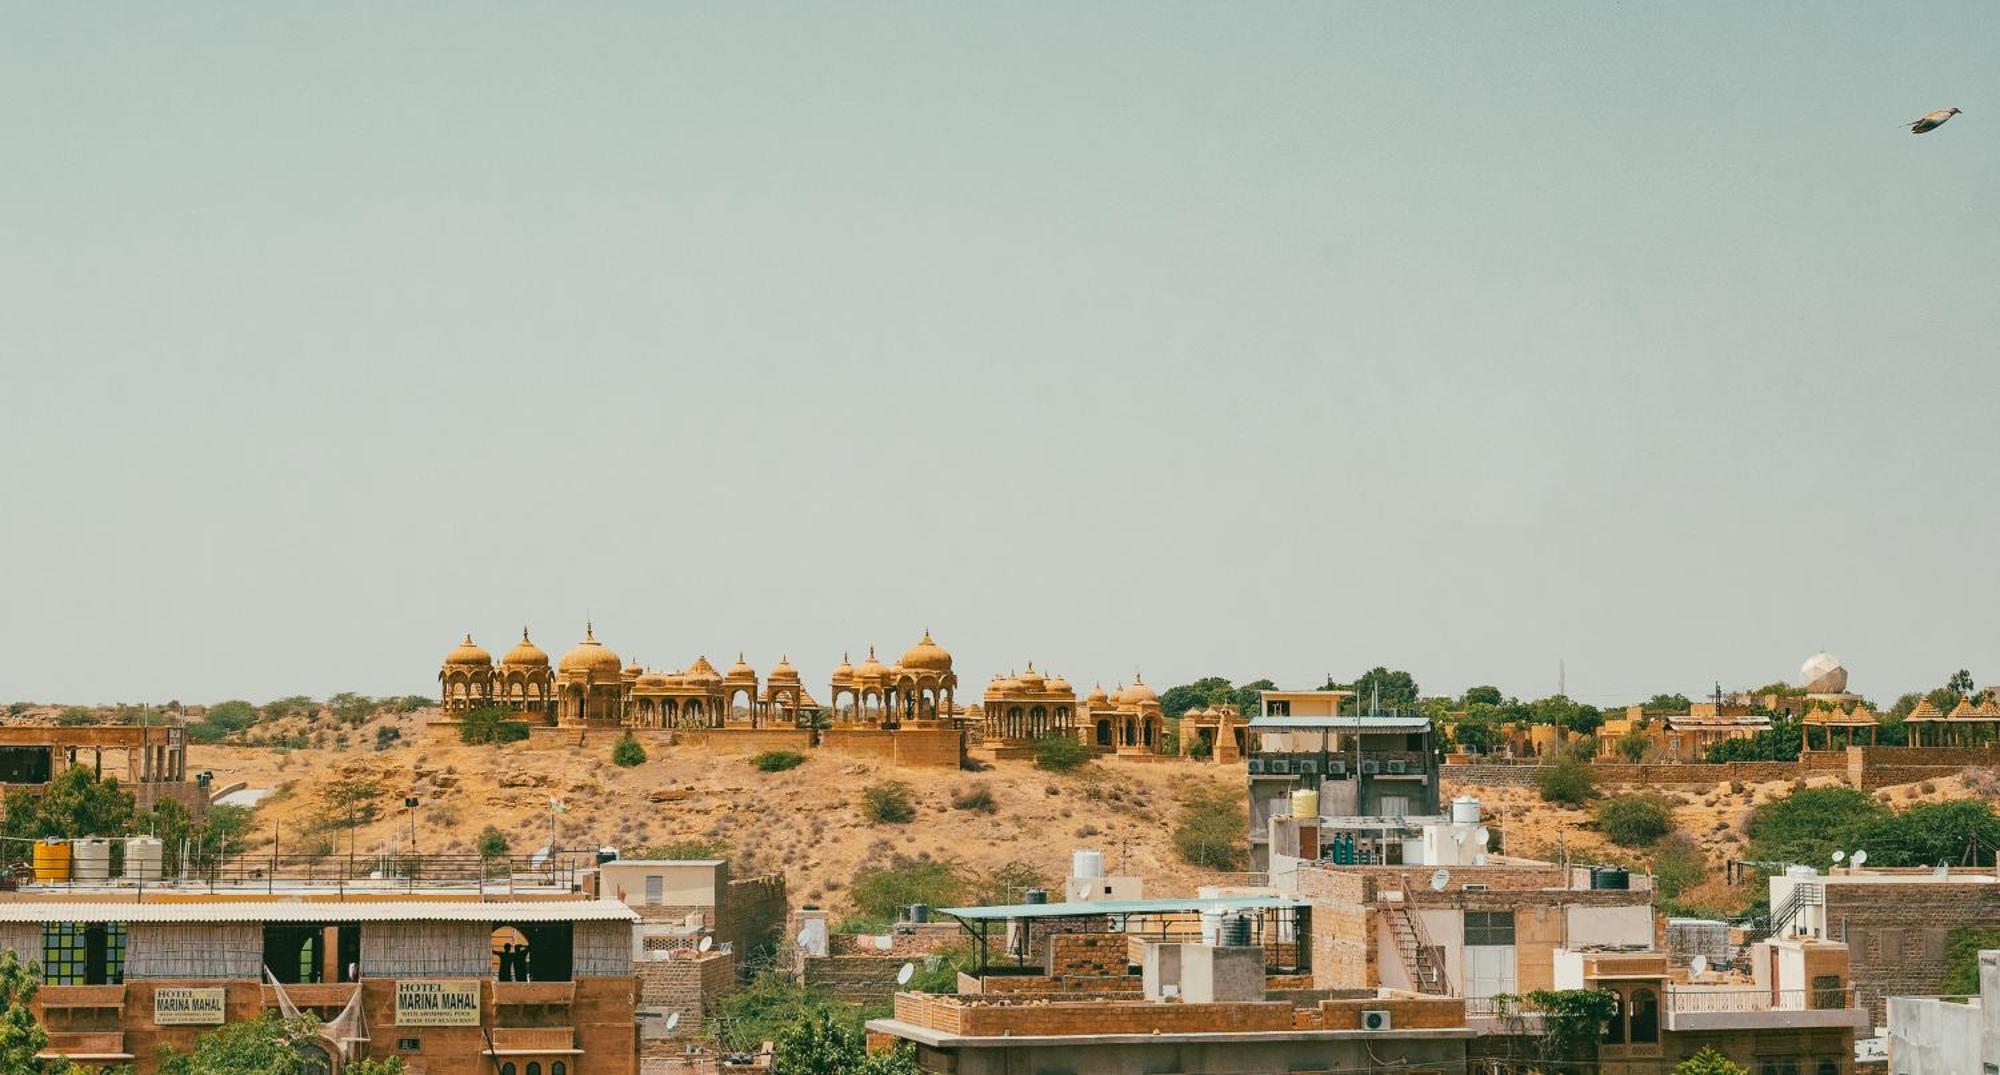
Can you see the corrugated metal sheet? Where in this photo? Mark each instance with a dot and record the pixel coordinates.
(305, 911)
(1341, 724)
(1121, 907)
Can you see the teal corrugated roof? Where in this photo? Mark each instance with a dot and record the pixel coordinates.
(1341, 724)
(1120, 907)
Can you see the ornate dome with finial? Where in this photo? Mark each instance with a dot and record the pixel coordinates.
(468, 654)
(1138, 693)
(526, 655)
(926, 656)
(590, 655)
(871, 668)
(843, 675)
(1097, 696)
(784, 672)
(1058, 685)
(1031, 679)
(1823, 674)
(741, 672)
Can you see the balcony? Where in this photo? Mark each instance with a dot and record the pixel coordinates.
(533, 1041)
(86, 1046)
(81, 996)
(1751, 1008)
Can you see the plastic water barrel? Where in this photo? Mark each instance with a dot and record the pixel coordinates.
(1465, 810)
(142, 858)
(1088, 864)
(1236, 931)
(90, 859)
(606, 854)
(1305, 803)
(51, 860)
(1211, 927)
(1035, 895)
(1610, 877)
(920, 913)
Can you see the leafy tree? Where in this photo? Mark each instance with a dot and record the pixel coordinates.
(628, 753)
(1709, 1062)
(880, 891)
(1782, 741)
(1568, 781)
(1212, 830)
(1249, 697)
(818, 1044)
(492, 843)
(76, 803)
(1559, 710)
(1059, 753)
(1634, 745)
(21, 1037)
(1808, 825)
(1398, 689)
(1678, 865)
(1481, 695)
(1202, 693)
(1953, 832)
(76, 715)
(1668, 703)
(1635, 820)
(297, 705)
(1961, 969)
(490, 724)
(1961, 683)
(760, 1011)
(1478, 729)
(888, 802)
(351, 708)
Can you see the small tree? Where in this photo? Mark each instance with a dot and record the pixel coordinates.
(490, 724)
(1709, 1062)
(1213, 830)
(1568, 781)
(880, 891)
(1635, 820)
(1634, 745)
(1678, 865)
(21, 1037)
(628, 752)
(888, 802)
(1060, 753)
(492, 843)
(818, 1044)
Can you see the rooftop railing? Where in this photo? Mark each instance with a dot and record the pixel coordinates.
(1695, 999)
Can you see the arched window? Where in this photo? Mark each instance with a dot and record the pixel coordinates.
(1645, 1016)
(557, 1067)
(534, 1067)
(507, 1068)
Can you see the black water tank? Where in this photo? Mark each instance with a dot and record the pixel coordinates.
(1236, 931)
(1611, 877)
(920, 912)
(1035, 895)
(606, 854)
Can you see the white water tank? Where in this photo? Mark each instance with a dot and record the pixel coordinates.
(142, 858)
(1465, 810)
(1086, 864)
(90, 859)
(1211, 927)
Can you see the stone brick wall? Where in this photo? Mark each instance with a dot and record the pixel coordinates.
(751, 740)
(905, 941)
(689, 984)
(941, 747)
(1087, 955)
(857, 979)
(753, 919)
(1899, 935)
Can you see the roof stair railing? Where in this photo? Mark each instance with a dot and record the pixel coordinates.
(1423, 960)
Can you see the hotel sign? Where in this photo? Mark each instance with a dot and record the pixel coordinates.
(177, 1006)
(437, 1003)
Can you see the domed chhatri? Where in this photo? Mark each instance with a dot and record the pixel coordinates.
(526, 654)
(1823, 674)
(468, 654)
(926, 656)
(919, 687)
(591, 656)
(1019, 709)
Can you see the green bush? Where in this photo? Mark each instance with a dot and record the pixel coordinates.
(490, 725)
(881, 892)
(1808, 825)
(1709, 1062)
(1213, 830)
(978, 798)
(1634, 745)
(1201, 749)
(1635, 820)
(777, 761)
(492, 843)
(1060, 753)
(1568, 781)
(1678, 865)
(888, 802)
(628, 752)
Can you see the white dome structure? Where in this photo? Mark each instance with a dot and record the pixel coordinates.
(1823, 674)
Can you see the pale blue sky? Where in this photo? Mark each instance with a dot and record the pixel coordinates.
(1257, 340)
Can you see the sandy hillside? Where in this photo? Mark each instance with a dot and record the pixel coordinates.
(805, 822)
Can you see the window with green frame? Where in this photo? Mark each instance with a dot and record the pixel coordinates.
(83, 953)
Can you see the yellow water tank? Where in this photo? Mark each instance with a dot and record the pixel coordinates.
(51, 860)
(1305, 803)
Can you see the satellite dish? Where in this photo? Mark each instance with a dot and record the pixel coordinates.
(1482, 836)
(673, 1020)
(1439, 880)
(908, 972)
(1838, 855)
(1860, 857)
(1458, 838)
(805, 937)
(1699, 965)
(707, 942)
(884, 943)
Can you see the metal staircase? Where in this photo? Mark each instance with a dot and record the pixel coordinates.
(1423, 960)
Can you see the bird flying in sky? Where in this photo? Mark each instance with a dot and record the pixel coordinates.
(1931, 121)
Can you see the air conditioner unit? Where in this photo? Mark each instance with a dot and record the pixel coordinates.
(1308, 767)
(1369, 767)
(1375, 1019)
(1256, 766)
(1478, 888)
(1397, 767)
(1280, 766)
(1337, 767)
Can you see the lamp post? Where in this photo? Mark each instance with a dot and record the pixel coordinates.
(410, 807)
